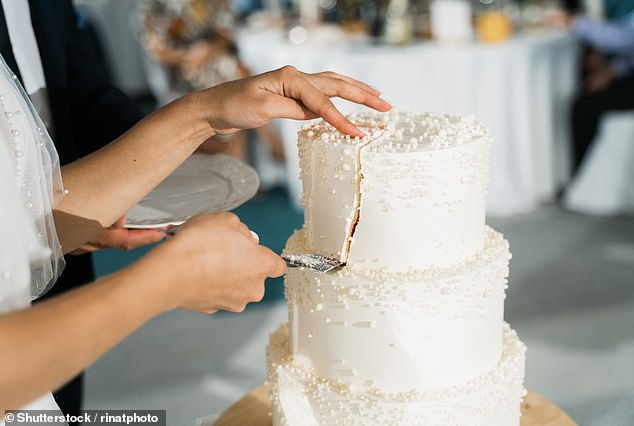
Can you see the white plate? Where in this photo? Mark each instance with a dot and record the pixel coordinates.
(204, 183)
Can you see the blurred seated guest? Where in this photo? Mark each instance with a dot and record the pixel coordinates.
(609, 10)
(608, 76)
(192, 40)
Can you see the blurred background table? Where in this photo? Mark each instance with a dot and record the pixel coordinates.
(520, 88)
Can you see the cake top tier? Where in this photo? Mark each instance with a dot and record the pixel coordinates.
(400, 131)
(410, 195)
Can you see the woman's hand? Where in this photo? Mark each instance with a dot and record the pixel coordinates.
(285, 93)
(117, 236)
(213, 263)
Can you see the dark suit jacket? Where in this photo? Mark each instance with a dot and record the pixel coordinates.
(87, 111)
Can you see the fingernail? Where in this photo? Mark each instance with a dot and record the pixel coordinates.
(255, 236)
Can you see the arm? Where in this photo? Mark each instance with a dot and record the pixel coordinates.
(212, 263)
(105, 184)
(61, 333)
(612, 37)
(100, 112)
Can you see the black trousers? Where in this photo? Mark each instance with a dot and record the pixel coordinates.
(79, 271)
(587, 110)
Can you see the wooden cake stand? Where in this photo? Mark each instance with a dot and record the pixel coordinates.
(253, 410)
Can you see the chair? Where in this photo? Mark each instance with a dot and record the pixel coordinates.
(605, 182)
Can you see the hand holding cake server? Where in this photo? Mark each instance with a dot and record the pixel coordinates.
(212, 263)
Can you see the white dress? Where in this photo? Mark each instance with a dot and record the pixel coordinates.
(30, 183)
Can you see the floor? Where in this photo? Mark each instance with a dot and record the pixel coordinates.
(571, 298)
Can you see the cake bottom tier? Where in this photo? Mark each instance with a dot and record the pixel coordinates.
(299, 398)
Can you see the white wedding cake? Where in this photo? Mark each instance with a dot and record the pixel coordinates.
(410, 331)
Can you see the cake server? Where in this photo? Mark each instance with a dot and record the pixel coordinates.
(312, 261)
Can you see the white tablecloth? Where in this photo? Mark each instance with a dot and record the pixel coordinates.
(521, 89)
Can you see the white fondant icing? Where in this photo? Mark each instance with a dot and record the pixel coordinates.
(300, 397)
(417, 186)
(410, 331)
(330, 175)
(401, 331)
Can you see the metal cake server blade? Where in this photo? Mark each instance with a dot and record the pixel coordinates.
(312, 261)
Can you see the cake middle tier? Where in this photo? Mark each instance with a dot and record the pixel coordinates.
(418, 330)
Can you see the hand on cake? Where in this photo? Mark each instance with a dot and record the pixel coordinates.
(285, 93)
(212, 263)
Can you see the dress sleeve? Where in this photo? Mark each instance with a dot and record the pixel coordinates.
(616, 37)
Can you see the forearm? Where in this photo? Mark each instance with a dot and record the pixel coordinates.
(105, 184)
(51, 342)
(611, 37)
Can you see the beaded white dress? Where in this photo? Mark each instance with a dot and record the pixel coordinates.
(30, 184)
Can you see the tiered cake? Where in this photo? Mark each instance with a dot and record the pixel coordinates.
(411, 330)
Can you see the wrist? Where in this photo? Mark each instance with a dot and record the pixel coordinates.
(208, 108)
(150, 281)
(195, 128)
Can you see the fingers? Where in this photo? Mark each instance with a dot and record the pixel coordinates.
(127, 239)
(227, 265)
(352, 81)
(334, 84)
(272, 264)
(351, 92)
(278, 266)
(304, 96)
(286, 107)
(243, 229)
(286, 93)
(117, 237)
(319, 103)
(332, 115)
(142, 237)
